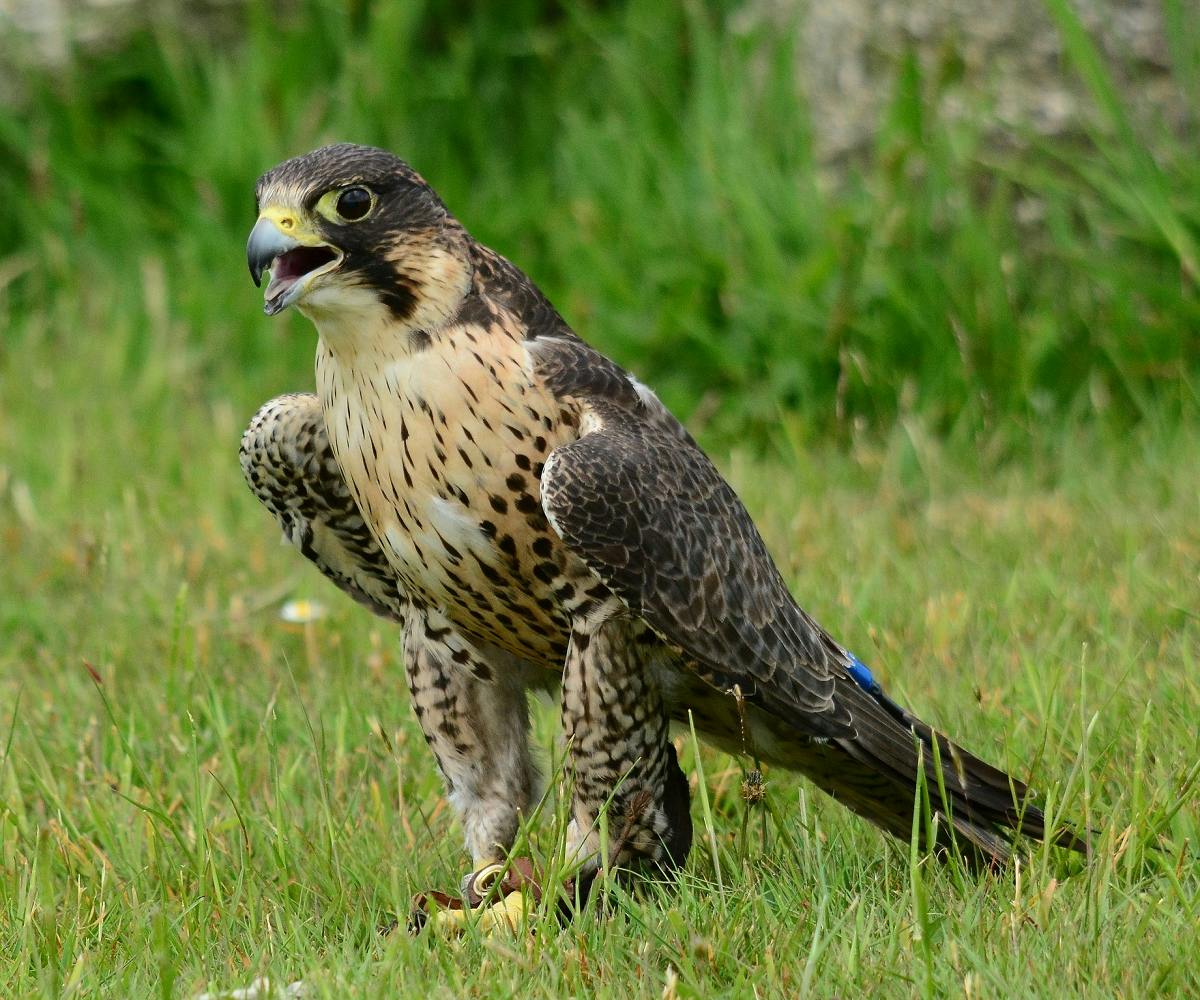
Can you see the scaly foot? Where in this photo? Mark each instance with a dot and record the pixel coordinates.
(501, 894)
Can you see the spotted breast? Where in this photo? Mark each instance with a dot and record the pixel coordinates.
(443, 444)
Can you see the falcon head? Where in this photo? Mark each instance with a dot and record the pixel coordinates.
(350, 229)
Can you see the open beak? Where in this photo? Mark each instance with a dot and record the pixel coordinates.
(292, 264)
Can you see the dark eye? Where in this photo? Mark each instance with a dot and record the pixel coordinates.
(354, 203)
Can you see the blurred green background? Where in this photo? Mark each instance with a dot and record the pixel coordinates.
(654, 167)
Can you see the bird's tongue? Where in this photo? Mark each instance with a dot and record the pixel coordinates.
(290, 267)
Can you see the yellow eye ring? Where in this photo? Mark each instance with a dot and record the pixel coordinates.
(348, 204)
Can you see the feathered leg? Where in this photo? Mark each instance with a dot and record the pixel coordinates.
(472, 708)
(617, 730)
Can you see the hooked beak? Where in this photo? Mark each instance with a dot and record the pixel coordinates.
(292, 263)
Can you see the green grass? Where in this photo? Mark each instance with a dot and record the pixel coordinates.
(221, 803)
(972, 444)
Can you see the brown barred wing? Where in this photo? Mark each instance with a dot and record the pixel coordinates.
(656, 522)
(289, 466)
(654, 519)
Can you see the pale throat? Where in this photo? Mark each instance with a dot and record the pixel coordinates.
(371, 365)
(356, 325)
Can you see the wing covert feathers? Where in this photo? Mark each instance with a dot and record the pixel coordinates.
(648, 512)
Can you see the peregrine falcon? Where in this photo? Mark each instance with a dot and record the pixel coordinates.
(531, 515)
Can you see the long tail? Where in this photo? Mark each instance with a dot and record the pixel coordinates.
(875, 773)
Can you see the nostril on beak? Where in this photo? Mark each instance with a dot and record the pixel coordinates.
(267, 241)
